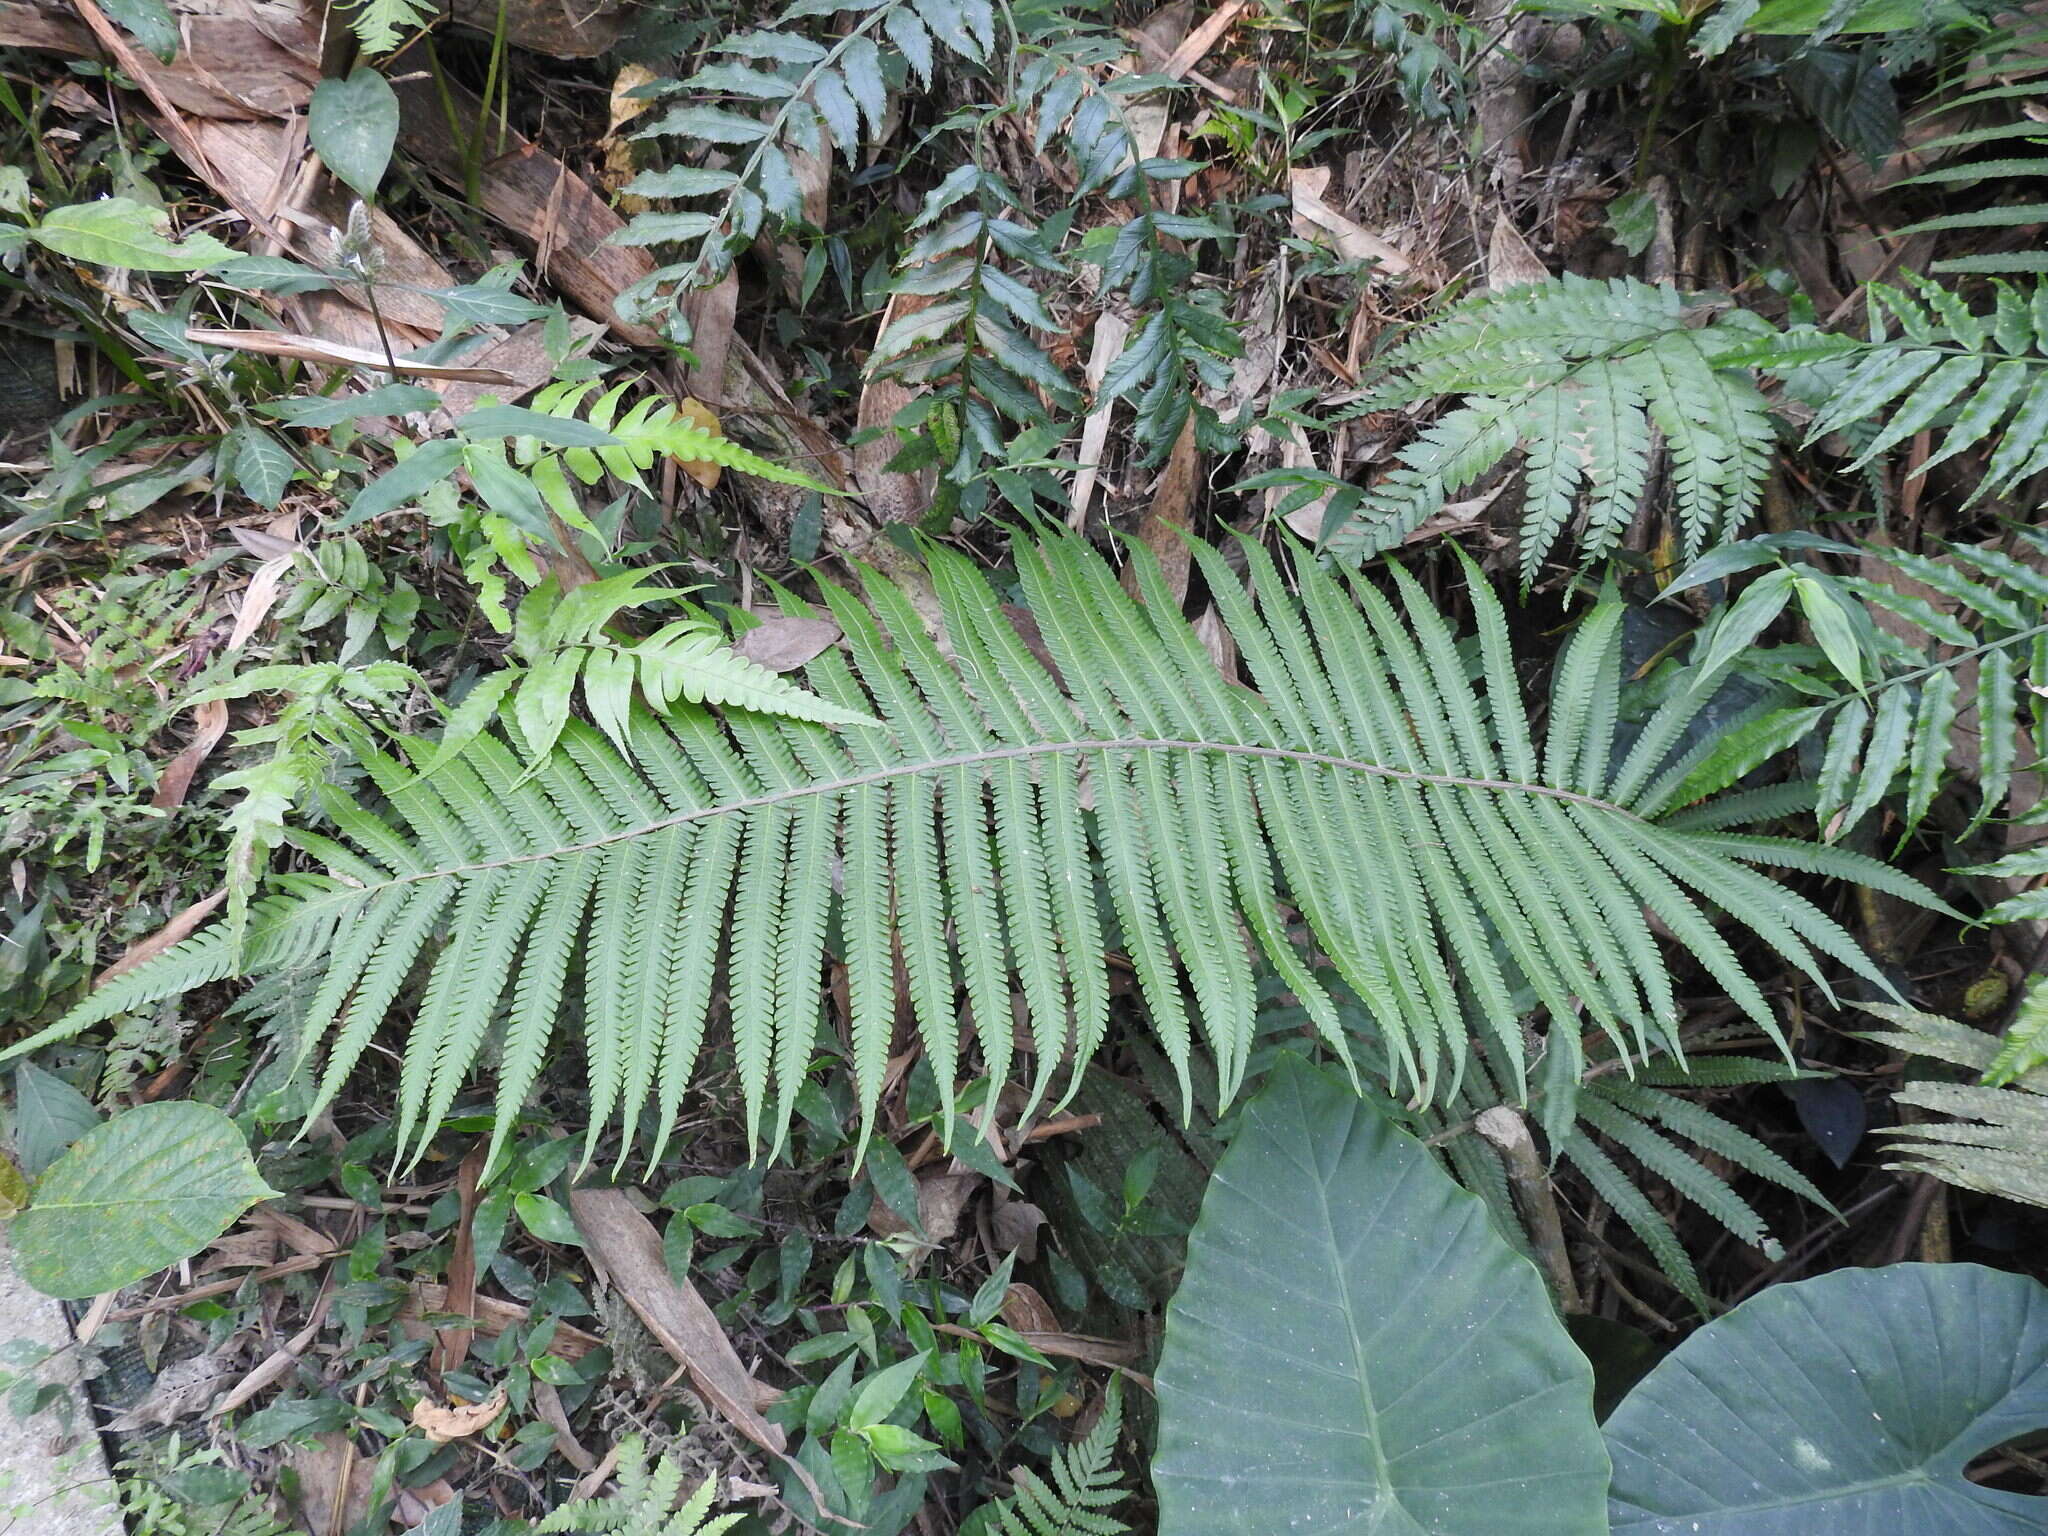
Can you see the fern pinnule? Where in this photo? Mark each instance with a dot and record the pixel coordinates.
(1002, 815)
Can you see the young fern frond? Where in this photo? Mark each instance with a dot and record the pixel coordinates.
(1583, 375)
(648, 429)
(645, 1504)
(1401, 810)
(564, 642)
(381, 24)
(1995, 1138)
(1084, 1486)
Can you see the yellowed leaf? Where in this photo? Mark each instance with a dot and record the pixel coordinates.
(698, 414)
(444, 1424)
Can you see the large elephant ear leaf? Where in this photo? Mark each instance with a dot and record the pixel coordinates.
(1355, 1348)
(1846, 1405)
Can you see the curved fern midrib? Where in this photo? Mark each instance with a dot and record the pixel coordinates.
(994, 755)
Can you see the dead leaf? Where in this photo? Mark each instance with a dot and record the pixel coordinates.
(523, 355)
(782, 642)
(941, 1197)
(625, 1242)
(441, 1425)
(334, 1483)
(704, 471)
(176, 931)
(210, 724)
(1015, 1224)
(1510, 259)
(311, 349)
(185, 1387)
(892, 495)
(711, 313)
(452, 1347)
(1315, 219)
(547, 1402)
(1027, 1311)
(1110, 333)
(618, 148)
(1170, 515)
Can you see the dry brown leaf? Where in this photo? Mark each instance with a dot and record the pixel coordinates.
(1316, 220)
(547, 1402)
(176, 931)
(1108, 345)
(626, 1244)
(698, 414)
(523, 355)
(1015, 1224)
(782, 642)
(1027, 1311)
(1170, 516)
(258, 598)
(1510, 259)
(452, 1347)
(311, 349)
(441, 1425)
(210, 724)
(619, 167)
(892, 495)
(941, 1198)
(334, 1483)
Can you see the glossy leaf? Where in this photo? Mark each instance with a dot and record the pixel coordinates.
(1354, 1347)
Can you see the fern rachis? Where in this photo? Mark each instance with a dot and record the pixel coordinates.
(1399, 810)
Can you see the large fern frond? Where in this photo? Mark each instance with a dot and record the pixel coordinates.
(1009, 812)
(1584, 375)
(1084, 1485)
(1995, 146)
(1995, 1138)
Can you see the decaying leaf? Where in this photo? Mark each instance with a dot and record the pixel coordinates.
(459, 1422)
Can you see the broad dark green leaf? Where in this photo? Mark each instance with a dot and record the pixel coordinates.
(1355, 1348)
(1846, 1405)
(149, 1187)
(49, 1115)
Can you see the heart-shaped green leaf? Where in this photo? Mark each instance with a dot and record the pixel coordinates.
(353, 125)
(1846, 1405)
(1355, 1348)
(140, 1192)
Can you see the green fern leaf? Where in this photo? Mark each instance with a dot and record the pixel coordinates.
(1995, 1138)
(1577, 373)
(1390, 803)
(645, 1504)
(1083, 1487)
(380, 24)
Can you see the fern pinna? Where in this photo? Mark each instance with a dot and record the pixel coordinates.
(1584, 375)
(1011, 820)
